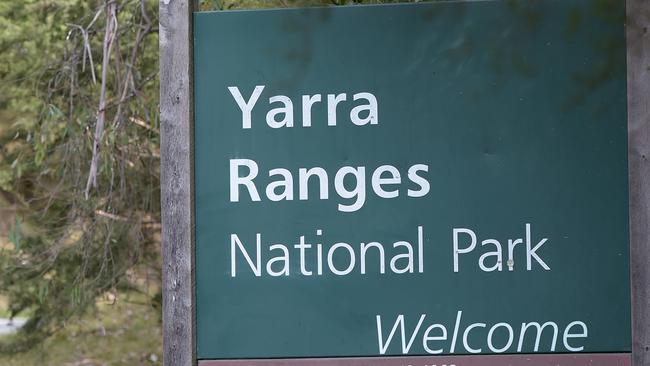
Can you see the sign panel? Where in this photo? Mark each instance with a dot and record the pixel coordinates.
(412, 180)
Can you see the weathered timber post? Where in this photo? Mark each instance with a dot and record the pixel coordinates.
(638, 61)
(176, 172)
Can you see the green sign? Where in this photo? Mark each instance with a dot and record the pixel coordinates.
(418, 179)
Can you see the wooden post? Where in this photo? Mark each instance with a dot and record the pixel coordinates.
(638, 62)
(176, 181)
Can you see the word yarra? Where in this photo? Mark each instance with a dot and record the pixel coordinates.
(385, 179)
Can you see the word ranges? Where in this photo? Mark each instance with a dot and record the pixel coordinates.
(385, 180)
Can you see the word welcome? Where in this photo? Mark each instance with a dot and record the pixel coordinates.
(435, 337)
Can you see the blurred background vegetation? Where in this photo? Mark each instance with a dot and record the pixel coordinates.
(79, 178)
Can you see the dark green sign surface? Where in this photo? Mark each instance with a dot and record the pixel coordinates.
(438, 178)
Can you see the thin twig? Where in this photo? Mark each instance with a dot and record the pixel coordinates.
(111, 22)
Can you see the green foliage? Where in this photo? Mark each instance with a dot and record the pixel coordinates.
(29, 44)
(74, 247)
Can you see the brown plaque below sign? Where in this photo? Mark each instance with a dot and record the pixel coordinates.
(613, 359)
